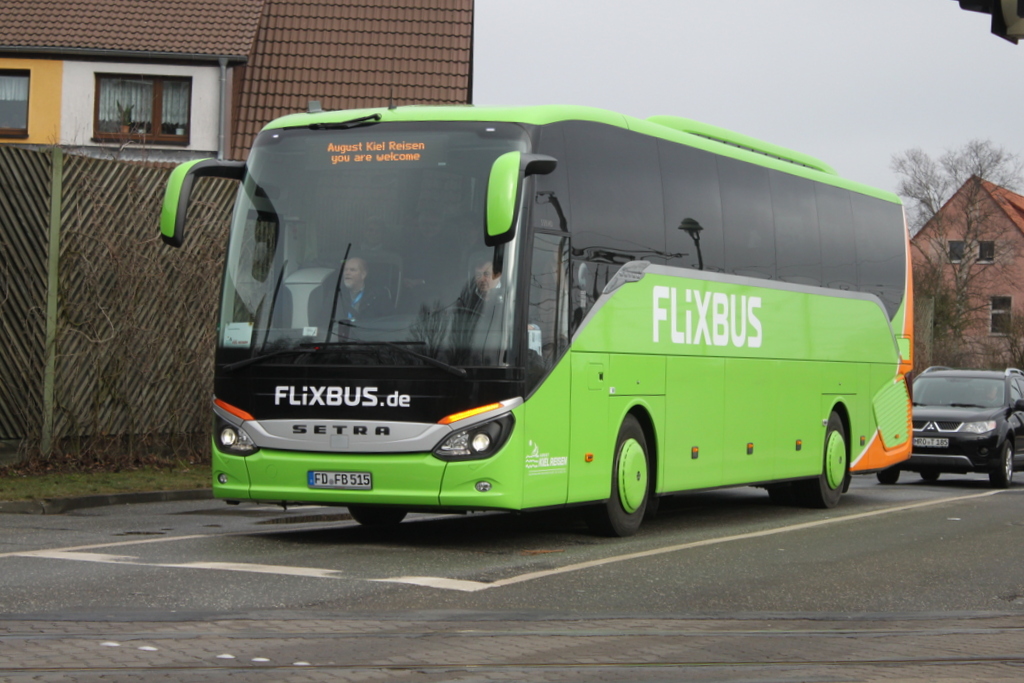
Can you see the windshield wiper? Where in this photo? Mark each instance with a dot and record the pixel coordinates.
(344, 124)
(965, 405)
(458, 372)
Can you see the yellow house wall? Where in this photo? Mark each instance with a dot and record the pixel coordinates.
(44, 99)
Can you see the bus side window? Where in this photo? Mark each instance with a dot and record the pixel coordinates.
(838, 246)
(747, 218)
(690, 181)
(881, 266)
(797, 242)
(617, 209)
(551, 191)
(547, 333)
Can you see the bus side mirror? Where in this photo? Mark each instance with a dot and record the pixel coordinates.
(179, 190)
(504, 191)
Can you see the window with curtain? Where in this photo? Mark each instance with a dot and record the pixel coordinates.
(147, 108)
(14, 103)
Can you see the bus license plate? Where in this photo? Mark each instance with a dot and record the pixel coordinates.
(925, 442)
(361, 481)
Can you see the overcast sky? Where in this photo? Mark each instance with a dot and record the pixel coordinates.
(850, 82)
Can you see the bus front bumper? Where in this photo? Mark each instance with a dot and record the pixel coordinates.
(417, 480)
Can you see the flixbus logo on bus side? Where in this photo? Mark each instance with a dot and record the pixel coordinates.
(711, 318)
(337, 396)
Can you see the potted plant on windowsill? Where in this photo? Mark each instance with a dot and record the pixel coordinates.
(124, 115)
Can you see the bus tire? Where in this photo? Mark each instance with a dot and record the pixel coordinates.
(825, 490)
(375, 516)
(781, 494)
(622, 513)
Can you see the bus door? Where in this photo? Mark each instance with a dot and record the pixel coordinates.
(546, 412)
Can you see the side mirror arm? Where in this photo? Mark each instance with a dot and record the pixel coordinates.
(179, 191)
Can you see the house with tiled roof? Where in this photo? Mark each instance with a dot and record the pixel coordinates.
(968, 265)
(180, 79)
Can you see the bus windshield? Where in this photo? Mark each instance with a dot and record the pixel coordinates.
(354, 242)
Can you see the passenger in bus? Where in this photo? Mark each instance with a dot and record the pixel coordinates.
(357, 299)
(478, 317)
(485, 288)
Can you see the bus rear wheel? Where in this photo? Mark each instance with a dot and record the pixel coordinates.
(374, 516)
(824, 490)
(622, 513)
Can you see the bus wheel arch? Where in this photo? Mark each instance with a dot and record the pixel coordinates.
(631, 480)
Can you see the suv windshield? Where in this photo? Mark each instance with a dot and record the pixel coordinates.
(363, 238)
(978, 392)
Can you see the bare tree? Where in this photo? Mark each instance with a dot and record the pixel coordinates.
(964, 246)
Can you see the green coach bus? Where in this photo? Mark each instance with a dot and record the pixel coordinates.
(466, 308)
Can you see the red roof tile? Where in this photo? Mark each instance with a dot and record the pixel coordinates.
(181, 27)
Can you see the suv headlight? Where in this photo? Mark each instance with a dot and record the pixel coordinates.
(978, 427)
(231, 439)
(476, 442)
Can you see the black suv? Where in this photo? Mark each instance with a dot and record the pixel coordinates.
(965, 421)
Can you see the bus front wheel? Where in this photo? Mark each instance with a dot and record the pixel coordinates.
(374, 516)
(824, 490)
(622, 513)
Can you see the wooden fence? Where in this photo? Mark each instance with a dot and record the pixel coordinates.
(105, 332)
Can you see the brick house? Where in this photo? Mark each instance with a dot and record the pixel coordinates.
(179, 79)
(968, 264)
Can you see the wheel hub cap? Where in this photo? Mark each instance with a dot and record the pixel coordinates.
(632, 475)
(835, 460)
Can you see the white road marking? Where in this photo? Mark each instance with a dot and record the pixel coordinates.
(116, 544)
(439, 582)
(444, 583)
(473, 586)
(281, 570)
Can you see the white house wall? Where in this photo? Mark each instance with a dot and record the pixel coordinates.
(79, 102)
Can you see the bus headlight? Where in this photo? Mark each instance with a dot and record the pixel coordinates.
(233, 440)
(476, 442)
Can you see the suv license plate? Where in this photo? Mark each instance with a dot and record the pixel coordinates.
(361, 481)
(925, 442)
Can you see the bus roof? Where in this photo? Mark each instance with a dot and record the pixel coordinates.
(675, 129)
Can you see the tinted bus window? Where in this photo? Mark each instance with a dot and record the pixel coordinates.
(881, 264)
(690, 183)
(838, 245)
(797, 244)
(550, 206)
(615, 181)
(747, 218)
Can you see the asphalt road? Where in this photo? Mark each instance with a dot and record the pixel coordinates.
(721, 586)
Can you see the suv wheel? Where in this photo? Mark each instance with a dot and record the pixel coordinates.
(889, 476)
(1002, 477)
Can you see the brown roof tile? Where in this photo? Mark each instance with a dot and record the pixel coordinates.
(353, 53)
(186, 27)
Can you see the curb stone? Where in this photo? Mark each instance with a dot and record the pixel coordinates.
(56, 506)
